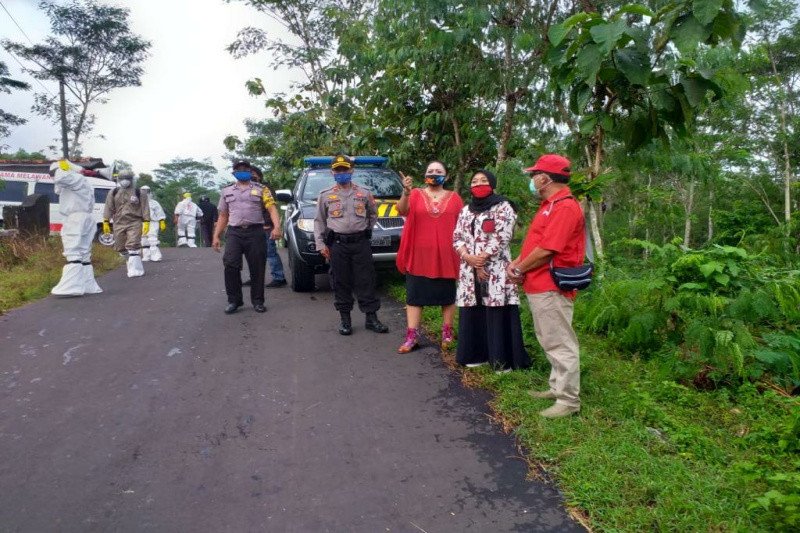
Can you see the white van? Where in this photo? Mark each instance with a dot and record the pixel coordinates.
(20, 179)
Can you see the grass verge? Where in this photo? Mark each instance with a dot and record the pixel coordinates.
(647, 453)
(29, 268)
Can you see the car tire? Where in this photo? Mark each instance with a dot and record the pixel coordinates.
(302, 275)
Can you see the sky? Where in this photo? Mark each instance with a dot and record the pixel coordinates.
(192, 94)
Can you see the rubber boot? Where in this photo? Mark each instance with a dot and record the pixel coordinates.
(71, 282)
(89, 283)
(155, 253)
(374, 324)
(145, 254)
(346, 326)
(135, 266)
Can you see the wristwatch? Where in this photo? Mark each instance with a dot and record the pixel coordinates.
(517, 272)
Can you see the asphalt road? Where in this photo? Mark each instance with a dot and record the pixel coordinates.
(147, 408)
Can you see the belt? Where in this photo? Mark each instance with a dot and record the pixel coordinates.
(349, 237)
(248, 226)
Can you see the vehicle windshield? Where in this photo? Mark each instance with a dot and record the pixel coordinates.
(382, 182)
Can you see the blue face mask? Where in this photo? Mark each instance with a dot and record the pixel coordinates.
(343, 177)
(242, 175)
(532, 187)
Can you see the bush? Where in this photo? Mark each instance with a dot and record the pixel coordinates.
(720, 315)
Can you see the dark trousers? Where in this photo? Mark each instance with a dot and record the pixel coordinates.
(352, 270)
(249, 242)
(207, 230)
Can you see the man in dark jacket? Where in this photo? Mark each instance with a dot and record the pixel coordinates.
(210, 216)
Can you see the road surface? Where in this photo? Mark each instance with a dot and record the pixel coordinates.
(146, 408)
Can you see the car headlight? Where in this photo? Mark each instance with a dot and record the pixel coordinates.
(306, 224)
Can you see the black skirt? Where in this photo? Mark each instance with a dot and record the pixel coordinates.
(422, 291)
(491, 335)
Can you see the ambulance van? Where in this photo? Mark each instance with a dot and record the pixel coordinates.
(20, 179)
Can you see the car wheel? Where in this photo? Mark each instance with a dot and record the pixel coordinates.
(302, 275)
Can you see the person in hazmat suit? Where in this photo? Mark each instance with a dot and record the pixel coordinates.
(186, 214)
(130, 211)
(76, 201)
(158, 221)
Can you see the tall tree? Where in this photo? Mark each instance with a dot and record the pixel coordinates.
(630, 73)
(774, 63)
(7, 120)
(92, 52)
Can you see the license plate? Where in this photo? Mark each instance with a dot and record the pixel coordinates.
(381, 241)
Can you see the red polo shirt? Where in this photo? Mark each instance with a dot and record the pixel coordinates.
(557, 226)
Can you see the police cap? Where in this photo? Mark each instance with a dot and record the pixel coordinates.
(341, 162)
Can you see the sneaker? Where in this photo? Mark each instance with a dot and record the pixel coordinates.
(275, 283)
(412, 337)
(542, 394)
(558, 410)
(447, 336)
(476, 365)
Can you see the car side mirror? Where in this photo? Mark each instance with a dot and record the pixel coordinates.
(284, 195)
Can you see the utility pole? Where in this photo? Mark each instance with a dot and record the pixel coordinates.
(63, 99)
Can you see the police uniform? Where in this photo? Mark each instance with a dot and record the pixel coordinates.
(246, 205)
(344, 221)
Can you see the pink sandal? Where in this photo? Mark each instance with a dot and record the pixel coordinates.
(412, 337)
(447, 336)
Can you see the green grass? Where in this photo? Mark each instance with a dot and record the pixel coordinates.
(30, 268)
(647, 453)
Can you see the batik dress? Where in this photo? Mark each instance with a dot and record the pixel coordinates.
(489, 328)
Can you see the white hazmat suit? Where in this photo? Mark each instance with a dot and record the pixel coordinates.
(76, 202)
(150, 249)
(187, 213)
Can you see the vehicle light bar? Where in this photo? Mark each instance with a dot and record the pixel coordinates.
(359, 160)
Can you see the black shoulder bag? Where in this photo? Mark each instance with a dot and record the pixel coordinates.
(579, 277)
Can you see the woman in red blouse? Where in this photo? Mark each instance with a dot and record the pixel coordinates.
(426, 254)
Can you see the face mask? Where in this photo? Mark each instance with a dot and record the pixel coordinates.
(242, 175)
(343, 177)
(124, 183)
(481, 191)
(434, 179)
(537, 192)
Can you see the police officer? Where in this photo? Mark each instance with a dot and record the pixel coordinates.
(242, 209)
(342, 231)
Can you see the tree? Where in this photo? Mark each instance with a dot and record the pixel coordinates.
(630, 73)
(7, 120)
(276, 146)
(775, 75)
(194, 174)
(92, 52)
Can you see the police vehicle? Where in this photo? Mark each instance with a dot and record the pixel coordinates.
(18, 179)
(370, 172)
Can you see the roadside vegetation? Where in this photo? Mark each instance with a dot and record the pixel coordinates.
(650, 451)
(29, 268)
(682, 120)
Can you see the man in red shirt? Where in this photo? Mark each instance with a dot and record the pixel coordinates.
(556, 235)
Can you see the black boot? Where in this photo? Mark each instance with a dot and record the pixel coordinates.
(346, 327)
(374, 324)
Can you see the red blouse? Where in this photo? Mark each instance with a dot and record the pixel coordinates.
(426, 244)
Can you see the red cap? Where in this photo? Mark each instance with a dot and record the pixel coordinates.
(552, 163)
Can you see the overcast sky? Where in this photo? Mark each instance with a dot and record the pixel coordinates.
(192, 93)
